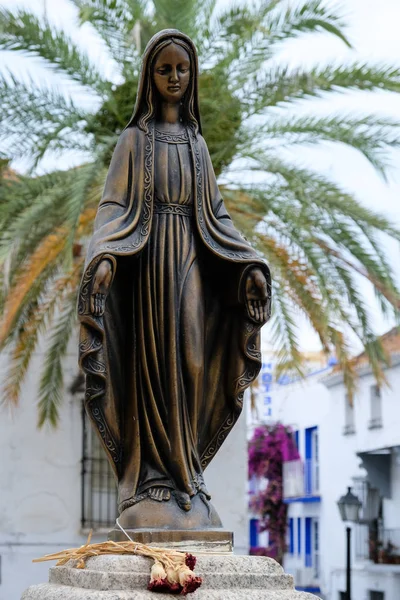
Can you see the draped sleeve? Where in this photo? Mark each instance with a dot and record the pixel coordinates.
(123, 219)
(220, 234)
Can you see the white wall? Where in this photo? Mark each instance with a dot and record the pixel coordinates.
(308, 404)
(391, 506)
(226, 479)
(311, 403)
(40, 495)
(386, 436)
(369, 440)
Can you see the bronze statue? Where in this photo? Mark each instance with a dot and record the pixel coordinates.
(171, 303)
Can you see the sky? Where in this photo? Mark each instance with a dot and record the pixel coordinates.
(373, 33)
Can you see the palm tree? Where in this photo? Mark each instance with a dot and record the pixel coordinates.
(317, 237)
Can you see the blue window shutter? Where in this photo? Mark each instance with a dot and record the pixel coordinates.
(309, 449)
(297, 438)
(309, 457)
(253, 533)
(291, 536)
(308, 542)
(299, 536)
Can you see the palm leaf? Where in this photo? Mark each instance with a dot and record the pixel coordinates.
(21, 30)
(318, 238)
(28, 337)
(44, 256)
(51, 387)
(282, 84)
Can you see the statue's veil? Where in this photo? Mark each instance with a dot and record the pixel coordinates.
(144, 109)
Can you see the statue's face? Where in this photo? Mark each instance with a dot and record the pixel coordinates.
(171, 72)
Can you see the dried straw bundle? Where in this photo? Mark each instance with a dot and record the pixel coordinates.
(171, 572)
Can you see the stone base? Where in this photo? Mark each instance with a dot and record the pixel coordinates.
(126, 577)
(217, 541)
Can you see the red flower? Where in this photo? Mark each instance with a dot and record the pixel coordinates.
(191, 584)
(164, 586)
(190, 561)
(159, 581)
(161, 585)
(188, 580)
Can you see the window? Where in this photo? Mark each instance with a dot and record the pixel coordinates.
(99, 490)
(312, 545)
(376, 595)
(311, 465)
(308, 542)
(291, 536)
(348, 416)
(253, 533)
(315, 532)
(298, 536)
(315, 461)
(375, 407)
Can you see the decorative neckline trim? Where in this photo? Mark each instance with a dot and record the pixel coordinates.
(171, 138)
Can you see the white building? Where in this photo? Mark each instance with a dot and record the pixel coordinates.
(302, 405)
(343, 446)
(56, 486)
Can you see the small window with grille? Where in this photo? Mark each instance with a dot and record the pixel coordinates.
(376, 595)
(376, 407)
(99, 490)
(349, 422)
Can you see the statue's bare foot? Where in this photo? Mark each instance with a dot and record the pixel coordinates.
(183, 500)
(160, 494)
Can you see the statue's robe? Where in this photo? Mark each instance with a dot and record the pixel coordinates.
(173, 436)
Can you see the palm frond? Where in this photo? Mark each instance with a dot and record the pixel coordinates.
(279, 84)
(46, 255)
(51, 389)
(114, 21)
(251, 33)
(36, 119)
(373, 136)
(28, 336)
(22, 31)
(372, 274)
(300, 285)
(318, 238)
(181, 14)
(284, 334)
(307, 17)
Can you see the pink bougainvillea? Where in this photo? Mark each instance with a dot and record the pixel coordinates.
(270, 447)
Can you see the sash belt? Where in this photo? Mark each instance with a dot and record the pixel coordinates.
(162, 208)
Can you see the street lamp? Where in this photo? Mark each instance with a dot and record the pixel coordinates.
(349, 508)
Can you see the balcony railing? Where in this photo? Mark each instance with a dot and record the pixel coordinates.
(382, 546)
(386, 550)
(306, 576)
(300, 479)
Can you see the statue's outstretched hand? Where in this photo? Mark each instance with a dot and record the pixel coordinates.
(257, 295)
(101, 285)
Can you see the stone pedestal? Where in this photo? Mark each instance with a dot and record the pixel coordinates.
(225, 577)
(216, 541)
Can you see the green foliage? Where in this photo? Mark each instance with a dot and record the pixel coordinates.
(22, 31)
(318, 239)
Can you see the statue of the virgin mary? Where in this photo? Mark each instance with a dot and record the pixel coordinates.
(171, 303)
